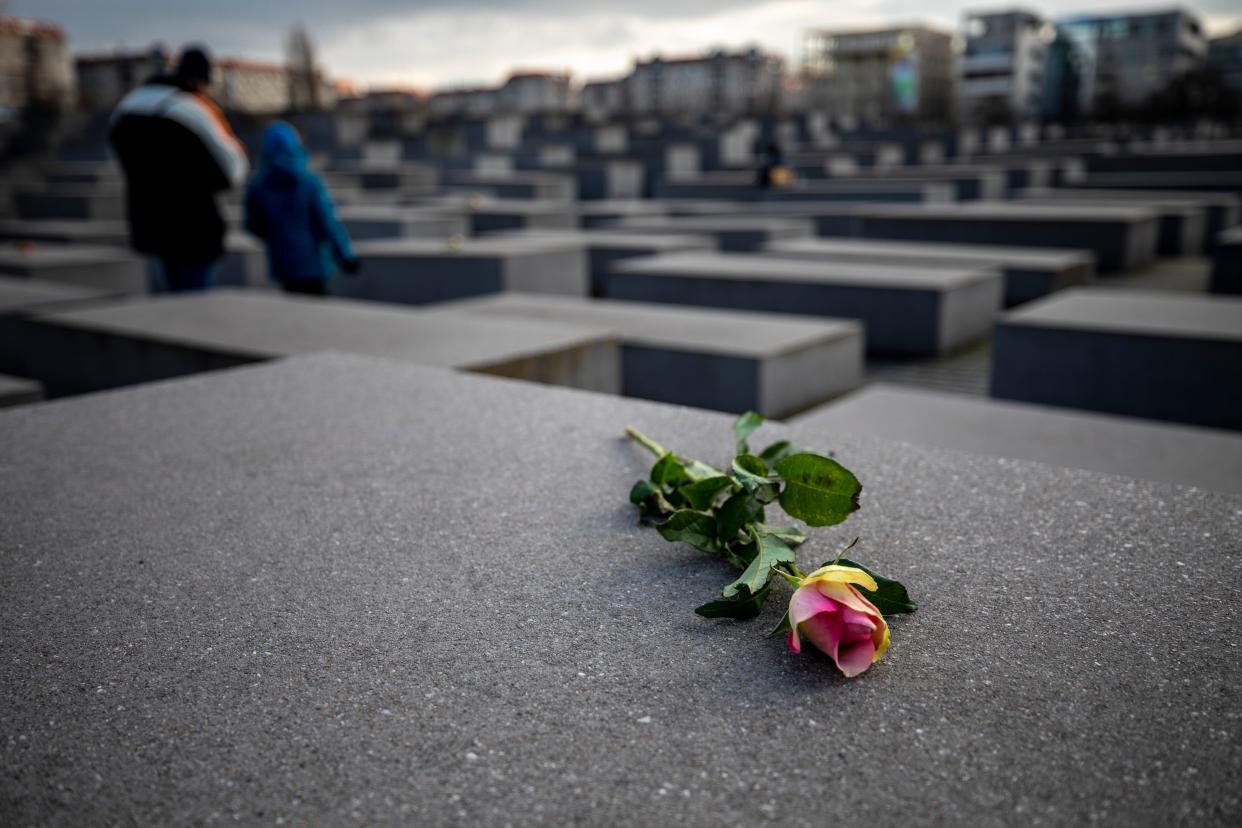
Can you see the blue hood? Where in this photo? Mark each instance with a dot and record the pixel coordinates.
(282, 149)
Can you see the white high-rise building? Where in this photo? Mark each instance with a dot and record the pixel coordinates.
(1001, 71)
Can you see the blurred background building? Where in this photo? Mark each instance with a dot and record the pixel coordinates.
(904, 73)
(36, 69)
(1003, 64)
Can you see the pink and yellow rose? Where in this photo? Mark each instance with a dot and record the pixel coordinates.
(829, 610)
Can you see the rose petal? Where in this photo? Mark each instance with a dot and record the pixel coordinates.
(856, 658)
(838, 574)
(824, 630)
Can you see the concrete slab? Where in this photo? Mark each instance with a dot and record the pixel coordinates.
(735, 234)
(1163, 356)
(106, 268)
(66, 231)
(969, 182)
(534, 186)
(92, 173)
(70, 202)
(381, 175)
(244, 263)
(1028, 272)
(1122, 238)
(1227, 263)
(727, 360)
(829, 218)
(592, 214)
(1219, 180)
(1181, 229)
(867, 190)
(421, 271)
(494, 215)
(15, 391)
(1223, 209)
(607, 178)
(22, 296)
(906, 310)
(374, 221)
(1187, 456)
(605, 246)
(322, 591)
(169, 336)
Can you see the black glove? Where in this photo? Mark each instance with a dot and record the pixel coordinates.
(351, 266)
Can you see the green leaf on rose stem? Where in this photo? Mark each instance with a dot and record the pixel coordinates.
(818, 491)
(742, 608)
(735, 513)
(700, 471)
(649, 499)
(695, 528)
(642, 490)
(779, 450)
(668, 471)
(890, 598)
(791, 535)
(701, 494)
(783, 626)
(752, 475)
(743, 427)
(771, 552)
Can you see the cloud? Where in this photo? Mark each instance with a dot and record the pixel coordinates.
(450, 42)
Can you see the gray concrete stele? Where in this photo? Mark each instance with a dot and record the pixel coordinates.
(1029, 272)
(726, 360)
(422, 271)
(1122, 238)
(143, 340)
(338, 590)
(1164, 356)
(1227, 263)
(1103, 443)
(905, 310)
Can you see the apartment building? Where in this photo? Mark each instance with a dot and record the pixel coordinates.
(35, 67)
(1126, 58)
(906, 72)
(1002, 66)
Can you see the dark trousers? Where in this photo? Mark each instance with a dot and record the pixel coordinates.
(183, 277)
(306, 287)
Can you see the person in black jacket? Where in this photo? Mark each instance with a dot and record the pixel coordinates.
(177, 152)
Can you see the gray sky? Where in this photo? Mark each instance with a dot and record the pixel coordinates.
(434, 43)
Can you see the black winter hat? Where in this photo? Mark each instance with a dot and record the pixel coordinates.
(194, 65)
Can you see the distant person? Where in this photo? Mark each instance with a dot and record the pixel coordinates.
(772, 170)
(288, 206)
(177, 152)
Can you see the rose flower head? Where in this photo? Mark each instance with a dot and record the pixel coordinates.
(829, 610)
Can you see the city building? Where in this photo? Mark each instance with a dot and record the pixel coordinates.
(720, 82)
(473, 101)
(1062, 100)
(104, 79)
(237, 85)
(880, 74)
(1001, 69)
(1225, 56)
(251, 86)
(35, 67)
(603, 98)
(526, 93)
(1127, 58)
(390, 99)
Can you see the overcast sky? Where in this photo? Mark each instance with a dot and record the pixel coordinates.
(436, 43)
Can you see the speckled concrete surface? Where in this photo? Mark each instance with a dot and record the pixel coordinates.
(337, 590)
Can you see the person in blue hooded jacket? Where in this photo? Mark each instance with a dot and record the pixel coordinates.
(288, 206)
